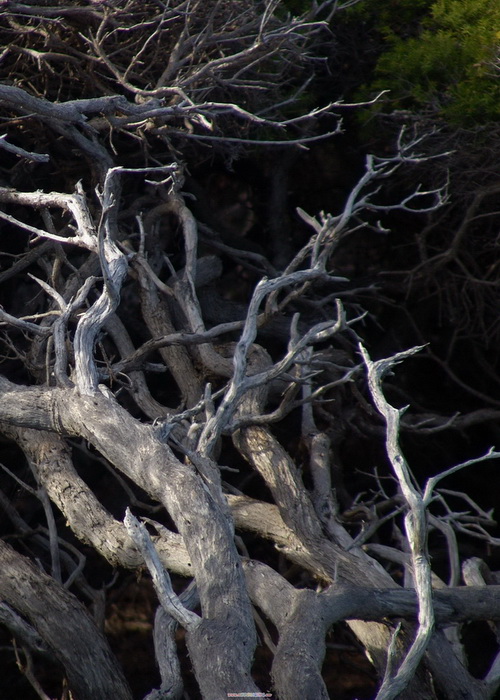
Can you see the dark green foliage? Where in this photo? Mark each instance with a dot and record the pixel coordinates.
(298, 7)
(437, 56)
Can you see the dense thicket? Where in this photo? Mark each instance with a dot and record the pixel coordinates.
(249, 374)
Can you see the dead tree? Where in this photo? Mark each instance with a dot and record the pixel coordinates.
(109, 359)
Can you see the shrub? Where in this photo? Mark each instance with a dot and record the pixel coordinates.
(438, 56)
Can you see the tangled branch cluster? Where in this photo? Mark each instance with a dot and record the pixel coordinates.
(120, 350)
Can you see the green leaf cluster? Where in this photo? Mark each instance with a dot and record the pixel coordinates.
(439, 55)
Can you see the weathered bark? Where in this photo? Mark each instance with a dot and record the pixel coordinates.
(64, 625)
(129, 296)
(134, 450)
(84, 513)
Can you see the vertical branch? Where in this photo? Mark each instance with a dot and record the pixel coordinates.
(416, 528)
(319, 446)
(114, 268)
